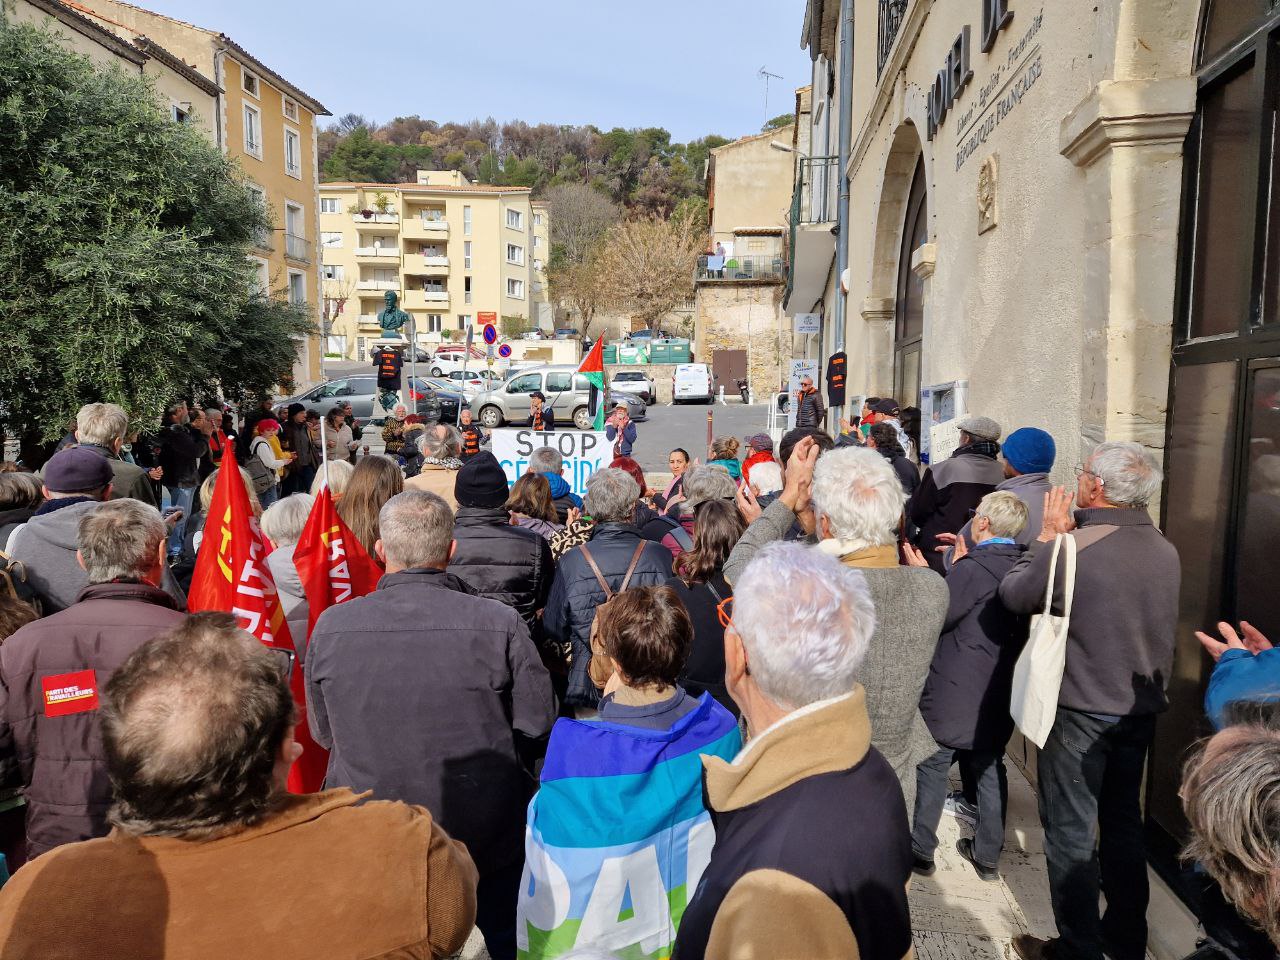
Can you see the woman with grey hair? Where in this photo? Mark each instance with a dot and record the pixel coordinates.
(701, 484)
(442, 445)
(282, 524)
(615, 558)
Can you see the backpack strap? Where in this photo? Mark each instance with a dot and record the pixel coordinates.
(679, 533)
(635, 559)
(591, 562)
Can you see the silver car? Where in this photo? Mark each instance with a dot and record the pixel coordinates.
(566, 390)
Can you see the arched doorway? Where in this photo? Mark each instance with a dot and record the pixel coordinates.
(908, 332)
(1222, 494)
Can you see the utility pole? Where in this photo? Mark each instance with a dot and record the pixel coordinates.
(765, 74)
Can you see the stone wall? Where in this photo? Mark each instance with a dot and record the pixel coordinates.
(746, 316)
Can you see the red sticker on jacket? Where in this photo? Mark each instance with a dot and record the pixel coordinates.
(68, 693)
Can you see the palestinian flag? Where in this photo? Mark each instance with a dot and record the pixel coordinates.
(593, 369)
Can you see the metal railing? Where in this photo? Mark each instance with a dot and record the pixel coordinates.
(817, 190)
(297, 248)
(740, 268)
(892, 13)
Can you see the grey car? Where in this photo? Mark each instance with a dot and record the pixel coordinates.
(362, 393)
(566, 390)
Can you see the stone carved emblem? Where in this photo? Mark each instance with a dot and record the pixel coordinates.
(987, 176)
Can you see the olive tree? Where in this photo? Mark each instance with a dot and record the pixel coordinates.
(124, 241)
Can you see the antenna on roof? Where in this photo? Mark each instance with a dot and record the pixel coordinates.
(764, 74)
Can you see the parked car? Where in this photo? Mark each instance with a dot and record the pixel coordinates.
(567, 391)
(692, 381)
(362, 393)
(448, 359)
(567, 333)
(634, 381)
(646, 337)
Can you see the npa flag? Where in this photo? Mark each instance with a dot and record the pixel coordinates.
(593, 369)
(332, 564)
(232, 576)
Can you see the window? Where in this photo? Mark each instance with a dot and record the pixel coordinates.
(253, 131)
(261, 275)
(249, 82)
(537, 219)
(291, 109)
(526, 384)
(464, 321)
(466, 252)
(537, 241)
(466, 289)
(909, 321)
(292, 153)
(515, 254)
(515, 219)
(581, 384)
(537, 265)
(515, 288)
(297, 287)
(329, 205)
(331, 238)
(558, 382)
(294, 221)
(332, 271)
(434, 322)
(181, 112)
(466, 221)
(263, 239)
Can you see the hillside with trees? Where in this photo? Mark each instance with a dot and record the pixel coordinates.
(640, 170)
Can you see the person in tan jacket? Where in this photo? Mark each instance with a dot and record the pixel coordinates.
(210, 856)
(781, 881)
(442, 445)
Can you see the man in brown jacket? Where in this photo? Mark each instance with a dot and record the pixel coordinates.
(235, 867)
(52, 672)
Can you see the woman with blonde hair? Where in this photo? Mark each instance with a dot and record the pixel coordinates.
(724, 453)
(374, 481)
(337, 475)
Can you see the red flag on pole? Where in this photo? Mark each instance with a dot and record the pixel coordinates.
(332, 564)
(232, 576)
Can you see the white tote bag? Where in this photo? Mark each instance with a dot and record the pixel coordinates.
(1037, 677)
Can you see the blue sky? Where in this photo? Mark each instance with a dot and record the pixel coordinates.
(687, 66)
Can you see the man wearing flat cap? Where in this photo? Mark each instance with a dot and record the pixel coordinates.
(77, 481)
(951, 489)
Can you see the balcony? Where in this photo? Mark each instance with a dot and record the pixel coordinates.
(892, 13)
(435, 300)
(378, 285)
(377, 220)
(812, 245)
(378, 253)
(428, 226)
(369, 321)
(297, 248)
(738, 269)
(421, 263)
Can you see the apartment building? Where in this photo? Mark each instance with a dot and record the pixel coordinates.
(189, 96)
(269, 126)
(450, 248)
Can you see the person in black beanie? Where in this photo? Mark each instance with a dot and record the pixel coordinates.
(500, 561)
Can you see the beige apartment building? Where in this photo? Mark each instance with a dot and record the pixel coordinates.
(269, 126)
(189, 96)
(450, 249)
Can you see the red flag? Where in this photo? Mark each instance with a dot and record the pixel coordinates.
(231, 575)
(332, 564)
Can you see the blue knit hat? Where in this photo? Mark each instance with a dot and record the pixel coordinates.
(1029, 450)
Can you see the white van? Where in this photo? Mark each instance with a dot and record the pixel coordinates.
(692, 381)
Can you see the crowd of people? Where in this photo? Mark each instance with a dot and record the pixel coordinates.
(633, 721)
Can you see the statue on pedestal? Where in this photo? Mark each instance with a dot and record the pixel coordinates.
(391, 318)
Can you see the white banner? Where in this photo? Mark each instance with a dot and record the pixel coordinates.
(799, 370)
(944, 440)
(584, 452)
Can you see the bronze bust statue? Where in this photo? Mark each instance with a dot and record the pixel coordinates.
(391, 318)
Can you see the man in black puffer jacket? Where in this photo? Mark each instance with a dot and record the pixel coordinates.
(500, 561)
(615, 547)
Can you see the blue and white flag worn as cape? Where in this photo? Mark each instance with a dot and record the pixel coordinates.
(617, 836)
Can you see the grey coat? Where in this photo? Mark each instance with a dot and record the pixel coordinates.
(911, 606)
(46, 545)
